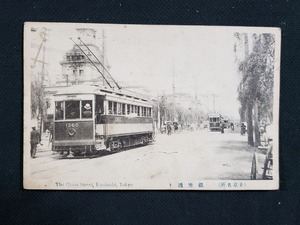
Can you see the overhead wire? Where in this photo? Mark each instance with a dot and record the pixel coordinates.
(92, 63)
(99, 62)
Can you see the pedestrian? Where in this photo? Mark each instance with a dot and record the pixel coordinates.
(222, 127)
(35, 138)
(169, 128)
(232, 126)
(243, 129)
(51, 132)
(263, 137)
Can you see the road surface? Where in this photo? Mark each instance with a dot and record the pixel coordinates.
(198, 155)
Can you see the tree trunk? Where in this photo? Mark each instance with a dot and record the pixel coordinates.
(249, 125)
(256, 125)
(242, 112)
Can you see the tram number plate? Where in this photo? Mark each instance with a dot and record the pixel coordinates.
(68, 125)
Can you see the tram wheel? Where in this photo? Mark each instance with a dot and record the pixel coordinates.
(77, 153)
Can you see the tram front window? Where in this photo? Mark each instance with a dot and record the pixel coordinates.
(59, 111)
(72, 110)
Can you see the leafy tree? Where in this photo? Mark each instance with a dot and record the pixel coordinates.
(38, 103)
(257, 80)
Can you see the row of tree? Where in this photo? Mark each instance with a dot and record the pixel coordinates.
(255, 54)
(164, 110)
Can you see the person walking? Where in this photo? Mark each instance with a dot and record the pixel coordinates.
(222, 127)
(169, 128)
(243, 129)
(232, 126)
(35, 138)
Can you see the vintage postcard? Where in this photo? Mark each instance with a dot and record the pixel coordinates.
(151, 107)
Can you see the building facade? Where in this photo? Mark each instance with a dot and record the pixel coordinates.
(85, 62)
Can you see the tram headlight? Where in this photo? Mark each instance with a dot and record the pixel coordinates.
(72, 132)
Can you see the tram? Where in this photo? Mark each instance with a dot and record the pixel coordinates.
(89, 119)
(214, 122)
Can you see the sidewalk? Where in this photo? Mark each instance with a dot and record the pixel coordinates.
(44, 145)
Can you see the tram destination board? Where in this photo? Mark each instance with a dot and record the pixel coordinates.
(150, 107)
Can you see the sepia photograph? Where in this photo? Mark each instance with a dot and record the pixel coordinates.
(150, 107)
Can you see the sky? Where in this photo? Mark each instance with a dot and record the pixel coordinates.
(200, 59)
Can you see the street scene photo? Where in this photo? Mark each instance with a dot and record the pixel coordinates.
(150, 107)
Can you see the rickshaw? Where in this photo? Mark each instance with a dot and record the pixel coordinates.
(267, 167)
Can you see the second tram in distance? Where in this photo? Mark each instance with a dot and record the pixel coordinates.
(215, 122)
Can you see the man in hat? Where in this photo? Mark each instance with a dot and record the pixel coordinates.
(35, 138)
(87, 113)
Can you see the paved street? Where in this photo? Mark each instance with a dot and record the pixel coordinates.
(188, 155)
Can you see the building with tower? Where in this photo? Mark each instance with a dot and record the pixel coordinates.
(83, 63)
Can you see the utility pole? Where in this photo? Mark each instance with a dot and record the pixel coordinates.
(207, 101)
(103, 54)
(158, 115)
(164, 107)
(196, 101)
(173, 93)
(42, 81)
(43, 35)
(214, 96)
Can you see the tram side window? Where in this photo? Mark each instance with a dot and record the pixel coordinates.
(150, 112)
(123, 109)
(86, 109)
(119, 108)
(128, 109)
(99, 110)
(131, 108)
(59, 111)
(115, 108)
(99, 106)
(138, 112)
(72, 110)
(110, 107)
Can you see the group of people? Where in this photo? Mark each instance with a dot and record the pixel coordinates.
(223, 126)
(35, 139)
